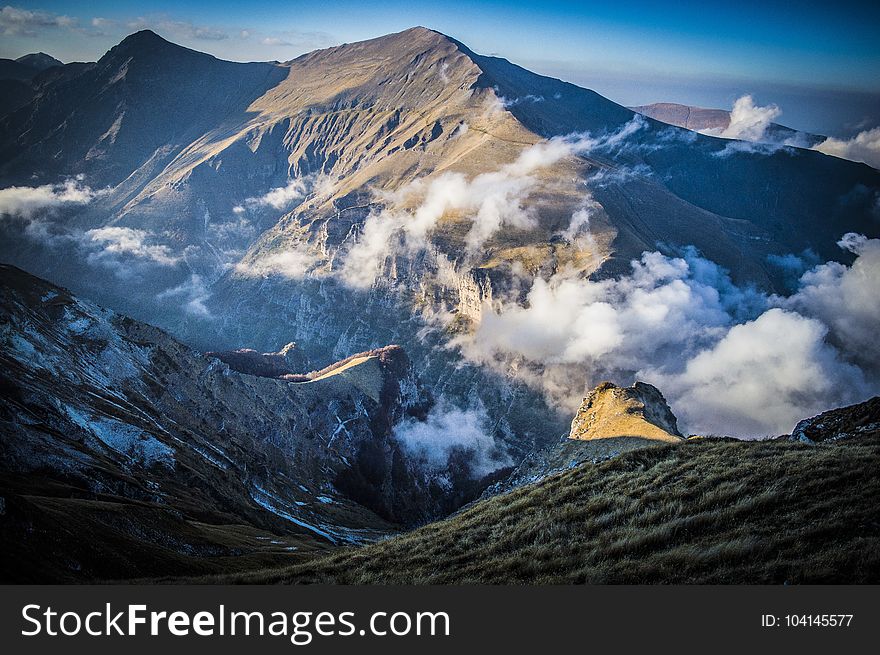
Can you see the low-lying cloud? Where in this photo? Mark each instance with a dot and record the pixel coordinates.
(191, 295)
(731, 360)
(748, 121)
(449, 431)
(751, 128)
(278, 197)
(863, 147)
(292, 262)
(115, 240)
(491, 201)
(28, 202)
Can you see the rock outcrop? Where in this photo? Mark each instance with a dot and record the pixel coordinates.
(843, 423)
(611, 420)
(639, 411)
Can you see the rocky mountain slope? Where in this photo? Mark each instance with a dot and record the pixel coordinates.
(706, 511)
(110, 425)
(842, 423)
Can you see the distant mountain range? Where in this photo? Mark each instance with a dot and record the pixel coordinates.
(700, 119)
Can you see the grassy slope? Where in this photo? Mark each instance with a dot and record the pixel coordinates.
(699, 512)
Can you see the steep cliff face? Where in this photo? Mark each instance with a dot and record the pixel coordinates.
(99, 408)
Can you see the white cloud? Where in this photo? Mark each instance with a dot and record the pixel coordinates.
(492, 201)
(193, 293)
(762, 377)
(279, 197)
(449, 430)
(116, 240)
(845, 298)
(864, 147)
(730, 359)
(25, 22)
(27, 202)
(748, 121)
(292, 263)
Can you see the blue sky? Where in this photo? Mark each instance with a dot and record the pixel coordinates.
(819, 61)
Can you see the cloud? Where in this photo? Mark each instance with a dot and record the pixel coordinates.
(492, 201)
(730, 359)
(845, 299)
(863, 147)
(292, 263)
(193, 293)
(27, 202)
(507, 103)
(750, 125)
(748, 121)
(115, 240)
(448, 431)
(763, 376)
(177, 28)
(279, 197)
(25, 22)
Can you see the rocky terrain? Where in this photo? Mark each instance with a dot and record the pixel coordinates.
(842, 423)
(110, 425)
(610, 421)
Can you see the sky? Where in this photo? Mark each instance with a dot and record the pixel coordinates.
(820, 62)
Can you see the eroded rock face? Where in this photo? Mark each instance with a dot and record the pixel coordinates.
(638, 411)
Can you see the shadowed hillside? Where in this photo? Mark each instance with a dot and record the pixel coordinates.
(705, 511)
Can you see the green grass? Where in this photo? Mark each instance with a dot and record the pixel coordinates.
(706, 511)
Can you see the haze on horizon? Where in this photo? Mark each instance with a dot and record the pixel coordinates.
(821, 65)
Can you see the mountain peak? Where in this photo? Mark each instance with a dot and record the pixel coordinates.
(611, 411)
(144, 39)
(39, 60)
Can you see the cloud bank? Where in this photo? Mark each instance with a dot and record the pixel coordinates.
(116, 240)
(864, 147)
(27, 202)
(730, 359)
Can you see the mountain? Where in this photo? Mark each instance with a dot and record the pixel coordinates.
(842, 423)
(705, 511)
(39, 61)
(252, 202)
(173, 462)
(19, 77)
(27, 66)
(381, 205)
(613, 412)
(700, 119)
